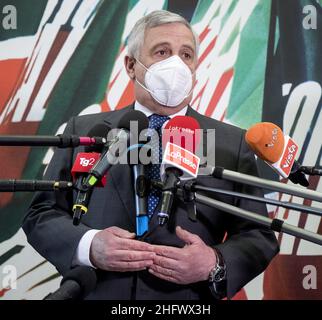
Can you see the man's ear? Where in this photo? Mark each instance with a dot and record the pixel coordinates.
(129, 63)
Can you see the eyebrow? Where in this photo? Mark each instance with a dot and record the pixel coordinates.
(168, 44)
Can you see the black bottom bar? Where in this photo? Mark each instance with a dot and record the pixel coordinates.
(161, 309)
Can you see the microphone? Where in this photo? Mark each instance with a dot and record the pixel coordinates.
(60, 141)
(76, 285)
(140, 182)
(83, 163)
(81, 167)
(112, 154)
(270, 144)
(141, 187)
(181, 138)
(108, 157)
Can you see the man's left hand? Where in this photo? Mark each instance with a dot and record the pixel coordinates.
(186, 265)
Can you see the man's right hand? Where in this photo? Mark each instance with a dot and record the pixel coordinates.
(114, 249)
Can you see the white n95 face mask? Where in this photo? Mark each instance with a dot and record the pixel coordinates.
(168, 81)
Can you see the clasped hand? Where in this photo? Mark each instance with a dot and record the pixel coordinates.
(115, 249)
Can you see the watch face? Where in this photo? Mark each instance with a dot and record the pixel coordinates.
(219, 275)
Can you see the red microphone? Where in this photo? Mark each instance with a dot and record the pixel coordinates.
(180, 137)
(183, 131)
(83, 164)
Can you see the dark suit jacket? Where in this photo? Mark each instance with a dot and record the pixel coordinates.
(247, 250)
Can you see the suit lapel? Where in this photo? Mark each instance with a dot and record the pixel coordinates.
(121, 174)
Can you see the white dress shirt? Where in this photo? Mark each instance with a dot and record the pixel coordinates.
(81, 256)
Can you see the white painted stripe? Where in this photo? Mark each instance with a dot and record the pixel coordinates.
(141, 9)
(17, 48)
(223, 101)
(255, 289)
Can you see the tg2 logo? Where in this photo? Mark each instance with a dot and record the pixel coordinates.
(84, 162)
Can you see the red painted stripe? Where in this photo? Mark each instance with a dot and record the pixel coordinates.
(104, 105)
(57, 45)
(3, 291)
(223, 116)
(111, 84)
(211, 45)
(203, 34)
(199, 95)
(10, 79)
(223, 82)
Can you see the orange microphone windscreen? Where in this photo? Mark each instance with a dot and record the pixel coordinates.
(266, 139)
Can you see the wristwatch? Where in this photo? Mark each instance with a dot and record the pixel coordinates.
(218, 277)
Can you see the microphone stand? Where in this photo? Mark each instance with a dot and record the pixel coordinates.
(60, 141)
(274, 224)
(13, 185)
(221, 173)
(185, 191)
(284, 204)
(312, 171)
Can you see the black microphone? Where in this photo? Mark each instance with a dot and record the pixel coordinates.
(141, 187)
(76, 285)
(109, 157)
(297, 176)
(83, 163)
(60, 141)
(172, 179)
(140, 181)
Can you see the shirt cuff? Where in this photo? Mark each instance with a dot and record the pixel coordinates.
(81, 257)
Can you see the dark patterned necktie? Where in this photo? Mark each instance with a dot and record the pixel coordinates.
(153, 172)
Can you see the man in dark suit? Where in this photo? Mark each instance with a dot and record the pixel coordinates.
(183, 259)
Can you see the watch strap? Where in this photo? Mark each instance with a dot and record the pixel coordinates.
(218, 277)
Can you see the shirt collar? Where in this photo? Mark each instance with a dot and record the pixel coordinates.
(148, 112)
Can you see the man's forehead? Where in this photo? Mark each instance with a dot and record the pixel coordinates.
(172, 33)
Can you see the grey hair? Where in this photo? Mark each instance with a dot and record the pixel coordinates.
(154, 19)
